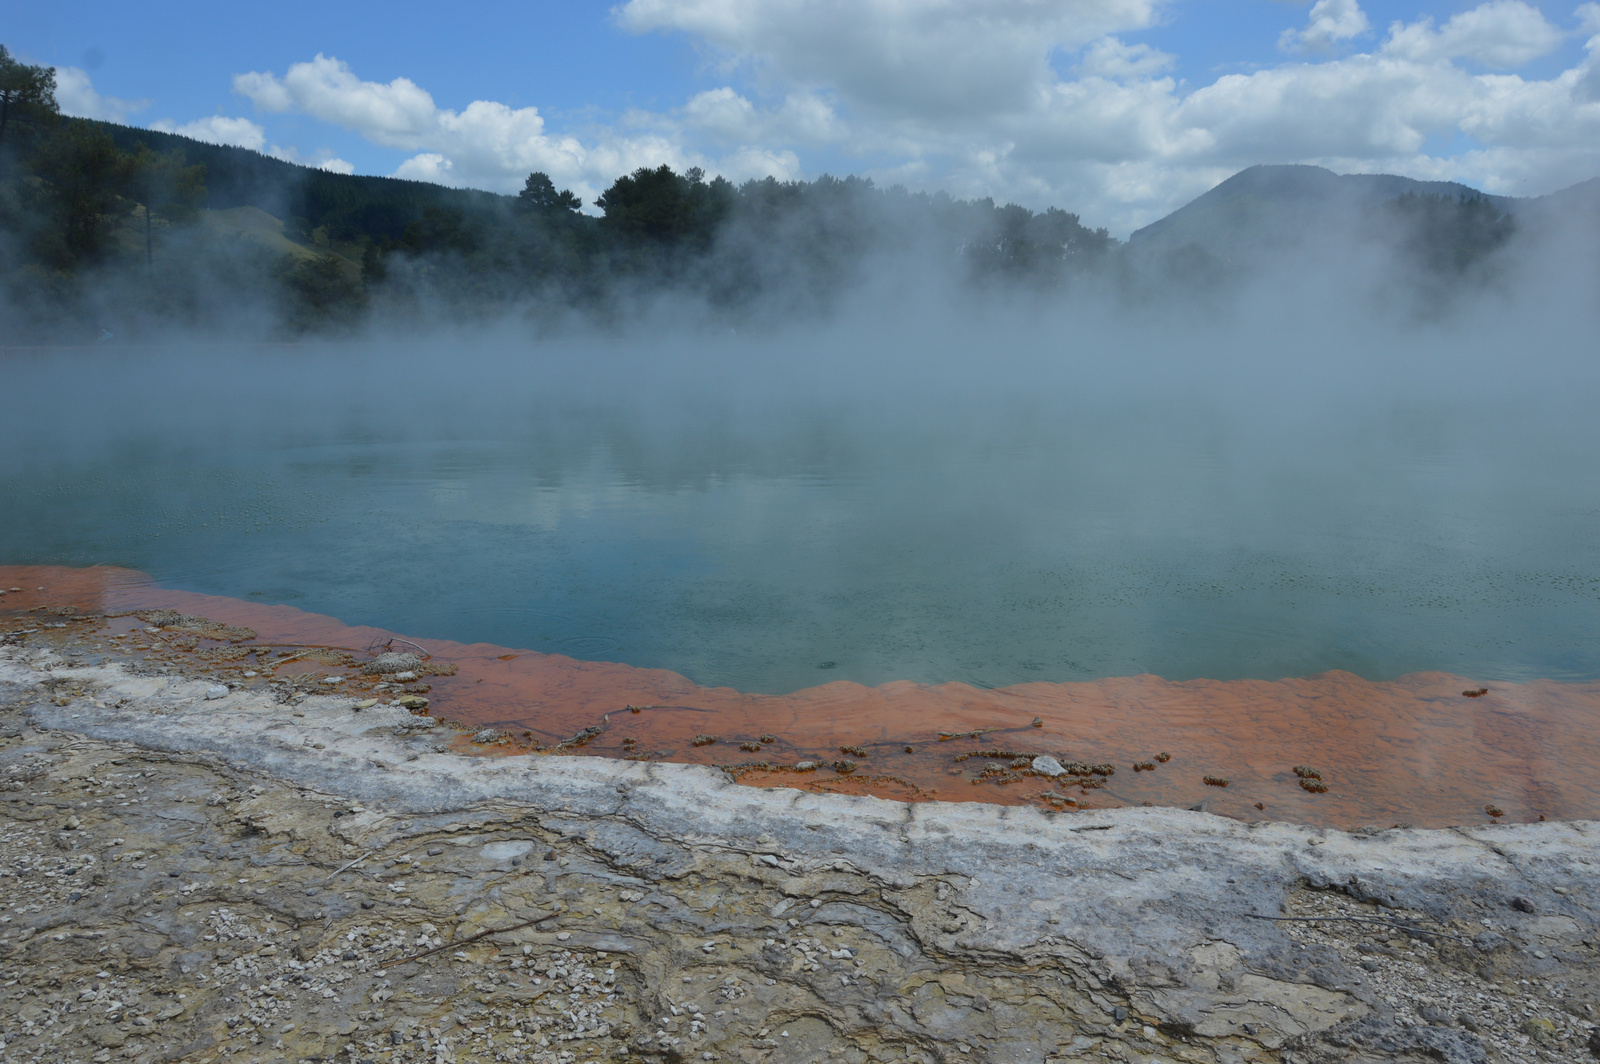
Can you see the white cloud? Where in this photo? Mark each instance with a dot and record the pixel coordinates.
(966, 95)
(802, 117)
(397, 114)
(243, 133)
(930, 60)
(752, 162)
(486, 144)
(725, 113)
(1503, 34)
(429, 166)
(1330, 21)
(76, 96)
(218, 129)
(321, 160)
(1110, 58)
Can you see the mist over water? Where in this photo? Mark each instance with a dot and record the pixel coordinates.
(996, 495)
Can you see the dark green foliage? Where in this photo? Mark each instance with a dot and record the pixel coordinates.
(322, 291)
(82, 180)
(539, 194)
(164, 187)
(372, 267)
(27, 97)
(443, 230)
(664, 208)
(1023, 243)
(347, 205)
(766, 247)
(1450, 234)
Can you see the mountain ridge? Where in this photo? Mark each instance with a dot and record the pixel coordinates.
(1276, 206)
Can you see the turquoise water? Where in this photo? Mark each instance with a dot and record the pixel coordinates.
(767, 517)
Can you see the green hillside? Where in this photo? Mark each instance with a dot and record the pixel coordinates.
(238, 177)
(132, 231)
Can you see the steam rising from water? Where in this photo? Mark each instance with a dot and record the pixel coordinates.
(1290, 476)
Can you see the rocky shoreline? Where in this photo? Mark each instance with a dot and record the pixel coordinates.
(238, 878)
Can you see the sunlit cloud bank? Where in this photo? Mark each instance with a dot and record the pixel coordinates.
(486, 144)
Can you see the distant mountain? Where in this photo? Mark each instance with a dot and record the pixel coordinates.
(1574, 201)
(1276, 208)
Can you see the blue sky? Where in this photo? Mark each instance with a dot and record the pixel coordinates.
(1118, 109)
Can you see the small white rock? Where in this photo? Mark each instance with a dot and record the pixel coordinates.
(217, 691)
(1046, 765)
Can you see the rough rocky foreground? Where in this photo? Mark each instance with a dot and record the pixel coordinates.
(235, 878)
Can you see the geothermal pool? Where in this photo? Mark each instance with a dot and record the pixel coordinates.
(1140, 561)
(772, 540)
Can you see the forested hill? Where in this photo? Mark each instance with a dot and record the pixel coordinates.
(130, 231)
(239, 177)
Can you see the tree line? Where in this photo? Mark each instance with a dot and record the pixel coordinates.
(106, 227)
(101, 226)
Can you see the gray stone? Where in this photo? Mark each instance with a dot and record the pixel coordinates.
(1048, 766)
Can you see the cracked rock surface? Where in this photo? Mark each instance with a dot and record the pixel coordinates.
(230, 878)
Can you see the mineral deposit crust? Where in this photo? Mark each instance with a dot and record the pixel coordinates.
(238, 879)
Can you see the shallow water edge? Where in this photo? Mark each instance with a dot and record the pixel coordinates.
(1424, 750)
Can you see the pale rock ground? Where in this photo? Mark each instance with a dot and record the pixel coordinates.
(227, 880)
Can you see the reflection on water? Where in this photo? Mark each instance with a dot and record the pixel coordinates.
(770, 533)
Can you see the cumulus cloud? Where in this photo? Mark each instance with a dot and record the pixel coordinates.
(970, 95)
(802, 117)
(1586, 87)
(1502, 34)
(486, 144)
(1330, 21)
(1111, 58)
(218, 129)
(930, 60)
(76, 96)
(399, 114)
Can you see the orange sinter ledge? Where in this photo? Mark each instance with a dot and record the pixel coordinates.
(1426, 750)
